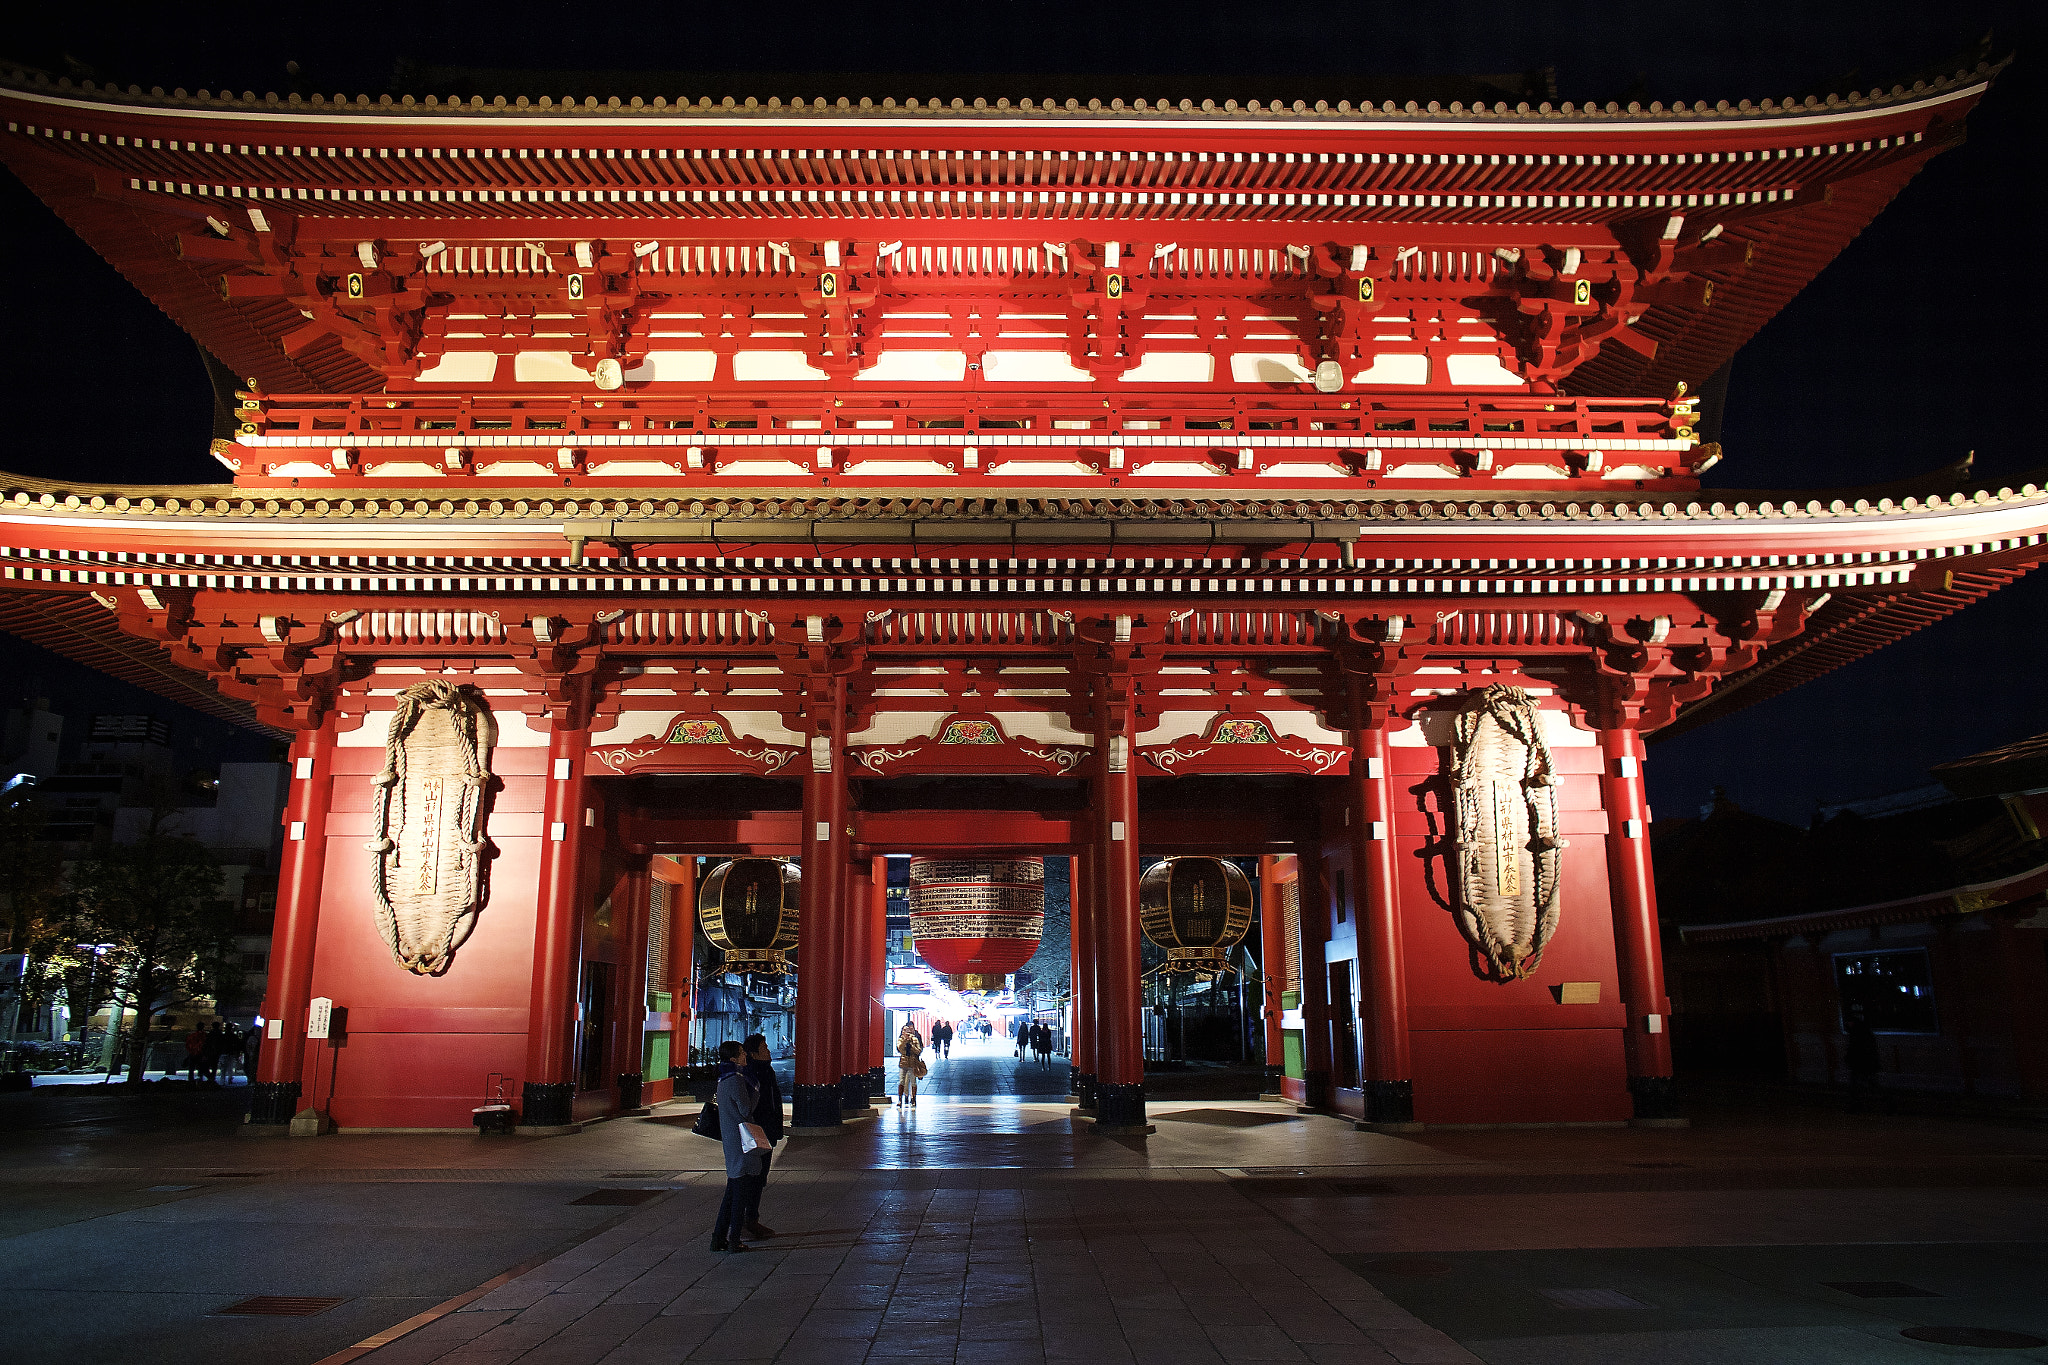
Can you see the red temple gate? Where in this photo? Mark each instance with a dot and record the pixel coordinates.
(1320, 484)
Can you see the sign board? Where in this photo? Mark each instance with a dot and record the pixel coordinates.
(320, 1017)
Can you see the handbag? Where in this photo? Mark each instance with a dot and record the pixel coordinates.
(707, 1122)
(922, 1069)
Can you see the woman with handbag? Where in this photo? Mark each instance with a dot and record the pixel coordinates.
(910, 1067)
(737, 1096)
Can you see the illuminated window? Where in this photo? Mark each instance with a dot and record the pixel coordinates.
(1894, 990)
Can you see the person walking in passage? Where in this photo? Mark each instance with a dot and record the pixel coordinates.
(942, 1038)
(195, 1052)
(1023, 1034)
(1041, 1043)
(210, 1049)
(737, 1098)
(767, 1113)
(910, 1065)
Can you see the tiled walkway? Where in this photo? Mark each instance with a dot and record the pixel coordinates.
(1001, 1230)
(996, 1268)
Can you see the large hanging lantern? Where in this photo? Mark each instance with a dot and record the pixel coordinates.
(977, 919)
(748, 907)
(1197, 909)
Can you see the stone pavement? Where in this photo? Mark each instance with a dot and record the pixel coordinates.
(1003, 1230)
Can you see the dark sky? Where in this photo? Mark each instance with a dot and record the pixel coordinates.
(1920, 343)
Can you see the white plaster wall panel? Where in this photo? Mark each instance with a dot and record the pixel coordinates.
(1302, 725)
(1043, 727)
(948, 367)
(462, 367)
(1177, 725)
(631, 726)
(897, 727)
(773, 366)
(548, 367)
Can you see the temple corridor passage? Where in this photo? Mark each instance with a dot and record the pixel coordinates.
(990, 1069)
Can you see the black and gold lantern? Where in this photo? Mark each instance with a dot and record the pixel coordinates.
(748, 907)
(1197, 909)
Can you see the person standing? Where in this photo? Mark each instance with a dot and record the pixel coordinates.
(737, 1098)
(942, 1038)
(1041, 1043)
(909, 1063)
(252, 1046)
(767, 1113)
(210, 1049)
(195, 1052)
(1023, 1034)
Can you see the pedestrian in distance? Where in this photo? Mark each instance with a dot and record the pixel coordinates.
(252, 1048)
(942, 1038)
(211, 1047)
(737, 1098)
(195, 1053)
(910, 1067)
(1023, 1035)
(1041, 1043)
(767, 1113)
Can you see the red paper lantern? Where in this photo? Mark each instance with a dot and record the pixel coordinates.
(976, 916)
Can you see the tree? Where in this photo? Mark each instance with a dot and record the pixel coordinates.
(32, 901)
(157, 902)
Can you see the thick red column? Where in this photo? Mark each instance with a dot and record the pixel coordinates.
(1119, 1019)
(858, 956)
(548, 1099)
(1273, 969)
(1389, 1075)
(879, 1046)
(1081, 941)
(282, 1054)
(821, 985)
(1632, 891)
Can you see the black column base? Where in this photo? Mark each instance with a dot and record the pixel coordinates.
(1390, 1101)
(1084, 1090)
(547, 1104)
(1120, 1108)
(273, 1101)
(814, 1106)
(877, 1086)
(629, 1089)
(1656, 1097)
(853, 1091)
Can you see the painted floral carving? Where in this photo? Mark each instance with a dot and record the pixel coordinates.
(698, 731)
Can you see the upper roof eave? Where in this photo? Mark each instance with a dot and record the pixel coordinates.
(519, 111)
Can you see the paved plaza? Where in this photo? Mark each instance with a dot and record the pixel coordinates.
(990, 1226)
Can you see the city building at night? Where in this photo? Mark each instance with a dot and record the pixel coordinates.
(614, 485)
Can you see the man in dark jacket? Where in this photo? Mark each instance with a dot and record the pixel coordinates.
(767, 1113)
(737, 1097)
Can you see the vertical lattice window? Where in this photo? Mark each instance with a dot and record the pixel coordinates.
(657, 935)
(1290, 911)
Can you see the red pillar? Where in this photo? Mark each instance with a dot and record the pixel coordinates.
(1273, 969)
(1389, 1075)
(821, 987)
(1119, 1020)
(1632, 890)
(548, 1100)
(879, 1046)
(859, 960)
(282, 1054)
(1081, 939)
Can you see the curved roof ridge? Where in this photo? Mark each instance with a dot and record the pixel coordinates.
(29, 80)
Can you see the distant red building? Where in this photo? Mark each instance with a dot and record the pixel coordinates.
(1951, 971)
(832, 480)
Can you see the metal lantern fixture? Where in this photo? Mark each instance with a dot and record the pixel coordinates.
(748, 907)
(1197, 909)
(976, 919)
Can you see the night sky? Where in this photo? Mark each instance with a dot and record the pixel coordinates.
(1920, 343)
